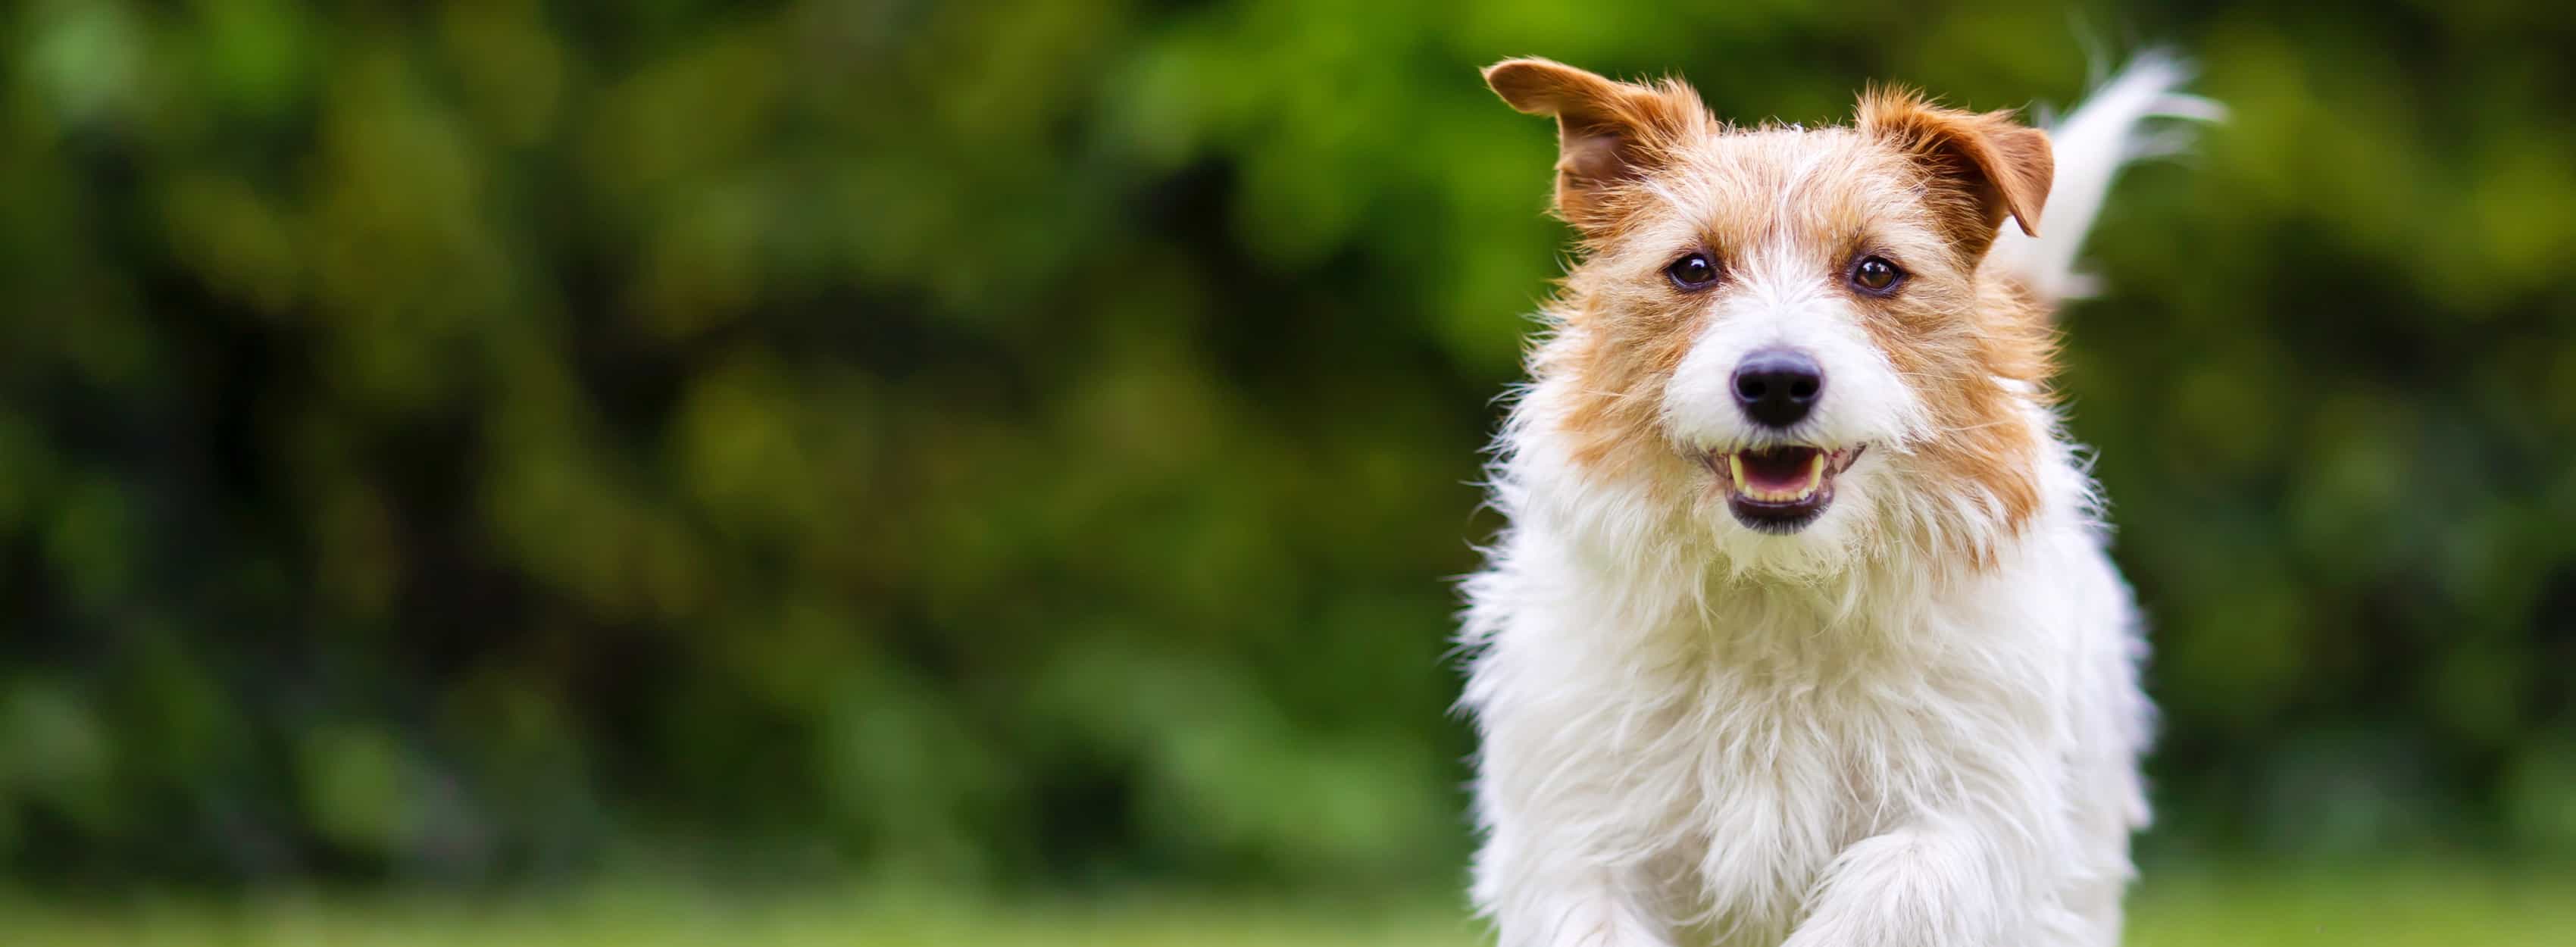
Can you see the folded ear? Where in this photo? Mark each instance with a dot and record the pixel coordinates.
(1995, 166)
(1608, 133)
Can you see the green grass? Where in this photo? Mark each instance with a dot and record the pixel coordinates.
(2410, 908)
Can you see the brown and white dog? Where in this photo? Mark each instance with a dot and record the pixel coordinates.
(1803, 631)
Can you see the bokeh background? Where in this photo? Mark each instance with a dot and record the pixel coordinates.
(1007, 459)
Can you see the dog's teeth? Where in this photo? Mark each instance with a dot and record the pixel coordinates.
(1819, 465)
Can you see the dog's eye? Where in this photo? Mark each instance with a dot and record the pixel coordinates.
(1875, 276)
(1693, 271)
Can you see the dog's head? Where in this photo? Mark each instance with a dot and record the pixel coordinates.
(1783, 332)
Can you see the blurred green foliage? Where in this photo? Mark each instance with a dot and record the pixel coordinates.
(1006, 441)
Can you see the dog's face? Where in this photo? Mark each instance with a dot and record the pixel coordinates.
(1788, 325)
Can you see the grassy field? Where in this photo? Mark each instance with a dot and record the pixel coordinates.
(2418, 908)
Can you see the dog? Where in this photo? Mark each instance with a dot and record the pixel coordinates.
(1802, 630)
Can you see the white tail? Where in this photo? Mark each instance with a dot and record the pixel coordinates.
(2091, 144)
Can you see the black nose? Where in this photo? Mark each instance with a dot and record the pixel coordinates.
(1777, 387)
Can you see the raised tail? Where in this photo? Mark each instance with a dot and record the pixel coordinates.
(2091, 144)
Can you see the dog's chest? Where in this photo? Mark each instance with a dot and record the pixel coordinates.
(1753, 782)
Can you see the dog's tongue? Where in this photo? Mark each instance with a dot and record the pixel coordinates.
(1782, 472)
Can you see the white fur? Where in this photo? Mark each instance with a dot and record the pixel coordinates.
(1695, 734)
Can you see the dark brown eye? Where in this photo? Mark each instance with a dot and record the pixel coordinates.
(1693, 271)
(1875, 276)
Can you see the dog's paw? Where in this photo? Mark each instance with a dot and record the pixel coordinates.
(1602, 924)
(1616, 938)
(1906, 888)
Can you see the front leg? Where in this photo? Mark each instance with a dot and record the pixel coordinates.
(1576, 912)
(1543, 890)
(1930, 883)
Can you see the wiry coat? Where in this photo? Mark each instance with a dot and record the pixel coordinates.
(1915, 721)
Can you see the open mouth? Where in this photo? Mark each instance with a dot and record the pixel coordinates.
(1783, 488)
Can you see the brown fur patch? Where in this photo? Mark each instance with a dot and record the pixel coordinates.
(1608, 133)
(2006, 339)
(1983, 166)
(1619, 360)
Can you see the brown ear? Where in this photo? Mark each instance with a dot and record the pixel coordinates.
(1608, 133)
(1996, 166)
